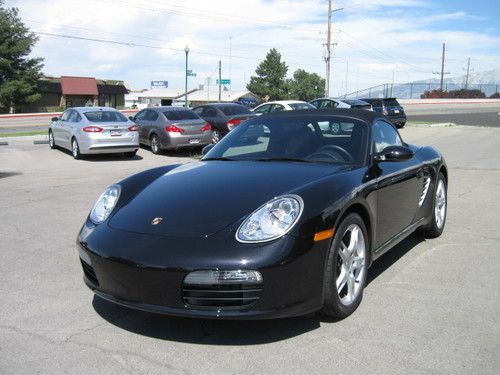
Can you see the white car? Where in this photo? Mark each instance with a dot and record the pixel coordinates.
(328, 103)
(282, 105)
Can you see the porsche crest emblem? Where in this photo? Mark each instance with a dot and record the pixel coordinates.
(156, 220)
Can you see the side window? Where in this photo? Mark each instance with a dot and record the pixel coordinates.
(152, 115)
(141, 115)
(277, 108)
(329, 104)
(316, 103)
(73, 117)
(198, 111)
(65, 115)
(209, 112)
(385, 135)
(263, 109)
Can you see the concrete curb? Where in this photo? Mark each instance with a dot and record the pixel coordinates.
(434, 125)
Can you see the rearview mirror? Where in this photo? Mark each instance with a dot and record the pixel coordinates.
(55, 119)
(206, 149)
(394, 153)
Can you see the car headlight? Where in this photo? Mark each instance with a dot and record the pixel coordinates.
(271, 220)
(105, 204)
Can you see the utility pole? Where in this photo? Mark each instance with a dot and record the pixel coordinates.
(230, 60)
(186, 49)
(346, 77)
(329, 47)
(208, 89)
(220, 80)
(442, 73)
(467, 75)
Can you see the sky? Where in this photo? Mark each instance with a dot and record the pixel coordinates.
(376, 41)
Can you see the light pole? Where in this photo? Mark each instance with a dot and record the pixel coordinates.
(186, 49)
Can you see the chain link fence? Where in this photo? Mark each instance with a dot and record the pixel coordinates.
(415, 90)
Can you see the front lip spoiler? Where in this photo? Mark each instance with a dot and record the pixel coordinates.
(295, 309)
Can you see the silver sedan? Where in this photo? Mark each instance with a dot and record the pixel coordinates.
(94, 130)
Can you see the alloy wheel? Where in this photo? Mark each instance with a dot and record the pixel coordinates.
(215, 136)
(154, 145)
(351, 268)
(51, 140)
(74, 148)
(440, 204)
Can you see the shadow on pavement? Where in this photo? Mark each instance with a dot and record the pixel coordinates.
(203, 331)
(232, 332)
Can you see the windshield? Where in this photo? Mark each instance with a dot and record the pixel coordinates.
(179, 115)
(235, 110)
(301, 106)
(105, 116)
(295, 138)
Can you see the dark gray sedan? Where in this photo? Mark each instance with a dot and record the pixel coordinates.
(167, 128)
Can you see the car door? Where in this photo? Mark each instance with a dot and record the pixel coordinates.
(397, 184)
(154, 125)
(139, 120)
(58, 129)
(209, 114)
(67, 128)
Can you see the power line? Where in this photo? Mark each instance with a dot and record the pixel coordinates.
(134, 44)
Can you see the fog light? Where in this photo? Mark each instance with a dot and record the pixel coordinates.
(223, 277)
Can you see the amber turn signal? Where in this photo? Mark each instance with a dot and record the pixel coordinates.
(323, 235)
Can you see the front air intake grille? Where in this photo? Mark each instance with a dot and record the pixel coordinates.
(89, 273)
(221, 296)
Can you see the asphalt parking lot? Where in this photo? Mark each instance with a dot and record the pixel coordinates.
(431, 306)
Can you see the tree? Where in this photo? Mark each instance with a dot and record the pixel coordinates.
(270, 81)
(306, 86)
(19, 74)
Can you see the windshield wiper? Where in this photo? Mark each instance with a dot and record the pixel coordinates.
(284, 159)
(219, 158)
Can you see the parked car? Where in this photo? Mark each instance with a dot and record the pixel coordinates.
(303, 215)
(94, 130)
(166, 128)
(223, 117)
(390, 108)
(281, 105)
(329, 103)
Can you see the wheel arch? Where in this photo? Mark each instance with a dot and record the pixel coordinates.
(363, 211)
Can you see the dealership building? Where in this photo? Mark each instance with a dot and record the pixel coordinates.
(59, 93)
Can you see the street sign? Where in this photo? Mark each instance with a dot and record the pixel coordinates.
(224, 81)
(189, 71)
(191, 74)
(159, 84)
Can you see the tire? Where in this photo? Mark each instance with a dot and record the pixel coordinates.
(75, 149)
(343, 294)
(216, 135)
(130, 154)
(439, 209)
(52, 142)
(154, 142)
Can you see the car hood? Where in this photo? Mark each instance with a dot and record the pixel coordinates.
(199, 199)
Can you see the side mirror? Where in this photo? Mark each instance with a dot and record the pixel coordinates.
(394, 153)
(55, 119)
(206, 149)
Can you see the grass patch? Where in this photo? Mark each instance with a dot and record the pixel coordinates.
(23, 134)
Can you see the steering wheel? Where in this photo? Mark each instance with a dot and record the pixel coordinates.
(333, 151)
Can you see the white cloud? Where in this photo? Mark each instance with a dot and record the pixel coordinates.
(379, 37)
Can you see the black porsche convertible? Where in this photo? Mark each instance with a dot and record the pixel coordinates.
(282, 217)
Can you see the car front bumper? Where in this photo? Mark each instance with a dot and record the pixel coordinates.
(291, 269)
